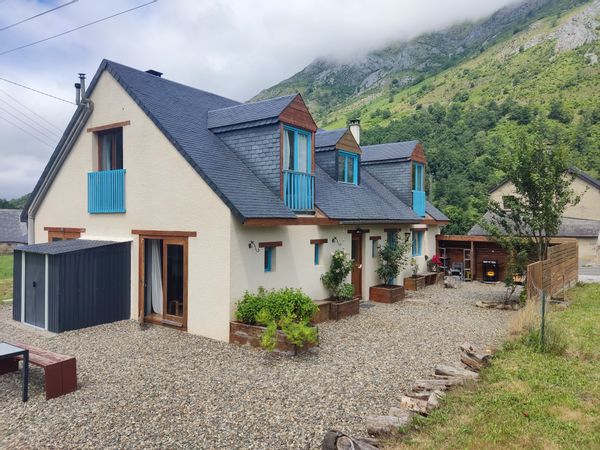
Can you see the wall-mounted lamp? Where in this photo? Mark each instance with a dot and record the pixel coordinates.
(336, 240)
(253, 244)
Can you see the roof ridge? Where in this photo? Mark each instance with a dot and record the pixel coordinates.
(390, 143)
(254, 103)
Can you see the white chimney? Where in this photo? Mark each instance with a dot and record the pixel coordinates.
(354, 125)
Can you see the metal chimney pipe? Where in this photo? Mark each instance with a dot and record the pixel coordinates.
(82, 81)
(354, 125)
(77, 93)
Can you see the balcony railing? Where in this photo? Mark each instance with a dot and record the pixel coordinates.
(106, 192)
(299, 190)
(419, 203)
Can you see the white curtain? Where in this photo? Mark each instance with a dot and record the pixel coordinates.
(156, 291)
(303, 153)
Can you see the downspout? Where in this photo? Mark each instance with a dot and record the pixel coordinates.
(84, 110)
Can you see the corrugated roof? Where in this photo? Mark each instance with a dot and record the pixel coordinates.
(385, 152)
(249, 112)
(66, 246)
(12, 230)
(328, 139)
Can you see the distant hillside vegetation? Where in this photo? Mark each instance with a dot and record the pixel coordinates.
(542, 63)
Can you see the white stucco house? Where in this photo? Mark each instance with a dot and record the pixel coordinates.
(218, 197)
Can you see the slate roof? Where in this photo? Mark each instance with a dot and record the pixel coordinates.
(12, 230)
(435, 213)
(369, 200)
(572, 170)
(264, 111)
(327, 139)
(387, 152)
(570, 227)
(185, 115)
(66, 246)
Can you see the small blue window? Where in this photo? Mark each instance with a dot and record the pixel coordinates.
(317, 253)
(391, 237)
(418, 180)
(417, 243)
(269, 259)
(347, 167)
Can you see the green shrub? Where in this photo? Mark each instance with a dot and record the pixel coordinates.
(392, 257)
(288, 310)
(555, 342)
(334, 279)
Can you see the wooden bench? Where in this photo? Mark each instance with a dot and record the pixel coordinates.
(60, 371)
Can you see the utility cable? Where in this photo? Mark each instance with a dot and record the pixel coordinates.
(38, 15)
(26, 132)
(75, 29)
(41, 133)
(38, 91)
(59, 129)
(32, 120)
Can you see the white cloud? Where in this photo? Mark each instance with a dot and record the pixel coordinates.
(232, 47)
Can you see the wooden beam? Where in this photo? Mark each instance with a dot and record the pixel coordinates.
(374, 238)
(463, 238)
(319, 241)
(65, 229)
(109, 126)
(270, 244)
(358, 231)
(167, 234)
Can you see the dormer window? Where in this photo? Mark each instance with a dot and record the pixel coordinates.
(347, 167)
(418, 179)
(296, 150)
(110, 149)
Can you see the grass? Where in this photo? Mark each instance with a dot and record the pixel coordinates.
(528, 399)
(6, 269)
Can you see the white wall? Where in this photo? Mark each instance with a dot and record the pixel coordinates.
(163, 192)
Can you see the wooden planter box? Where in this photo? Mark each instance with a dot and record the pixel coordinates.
(244, 334)
(414, 283)
(386, 293)
(339, 310)
(324, 312)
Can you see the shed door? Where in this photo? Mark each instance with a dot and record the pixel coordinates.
(35, 292)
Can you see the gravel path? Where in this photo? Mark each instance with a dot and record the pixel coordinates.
(161, 388)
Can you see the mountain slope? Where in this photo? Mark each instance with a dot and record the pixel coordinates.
(465, 114)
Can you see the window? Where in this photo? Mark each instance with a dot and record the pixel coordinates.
(269, 253)
(317, 253)
(373, 248)
(417, 243)
(296, 150)
(418, 181)
(391, 237)
(110, 149)
(347, 167)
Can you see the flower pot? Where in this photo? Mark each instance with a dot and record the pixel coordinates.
(386, 293)
(414, 283)
(244, 334)
(339, 310)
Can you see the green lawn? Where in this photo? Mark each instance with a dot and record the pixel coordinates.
(6, 269)
(528, 399)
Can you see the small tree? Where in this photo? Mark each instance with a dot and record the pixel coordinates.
(537, 166)
(392, 257)
(334, 279)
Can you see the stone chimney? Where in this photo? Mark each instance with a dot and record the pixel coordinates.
(354, 125)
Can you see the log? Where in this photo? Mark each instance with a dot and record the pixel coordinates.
(440, 384)
(335, 440)
(414, 404)
(434, 400)
(475, 361)
(385, 425)
(419, 395)
(449, 371)
(404, 414)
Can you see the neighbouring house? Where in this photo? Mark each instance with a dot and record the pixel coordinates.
(12, 231)
(580, 221)
(217, 197)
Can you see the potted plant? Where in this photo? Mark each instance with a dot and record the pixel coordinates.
(343, 303)
(416, 281)
(276, 320)
(433, 265)
(392, 258)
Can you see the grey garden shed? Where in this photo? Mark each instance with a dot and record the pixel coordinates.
(72, 284)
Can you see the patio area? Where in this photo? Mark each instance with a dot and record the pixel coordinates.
(162, 388)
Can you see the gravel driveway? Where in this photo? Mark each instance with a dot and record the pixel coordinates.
(162, 388)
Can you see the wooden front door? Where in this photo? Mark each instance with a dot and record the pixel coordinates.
(357, 257)
(164, 280)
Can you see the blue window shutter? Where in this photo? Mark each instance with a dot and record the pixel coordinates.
(268, 259)
(316, 254)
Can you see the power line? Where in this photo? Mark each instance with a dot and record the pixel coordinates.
(78, 28)
(38, 131)
(59, 129)
(35, 90)
(26, 132)
(38, 15)
(33, 121)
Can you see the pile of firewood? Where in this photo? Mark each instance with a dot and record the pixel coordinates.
(423, 397)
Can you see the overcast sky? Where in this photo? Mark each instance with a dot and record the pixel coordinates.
(231, 47)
